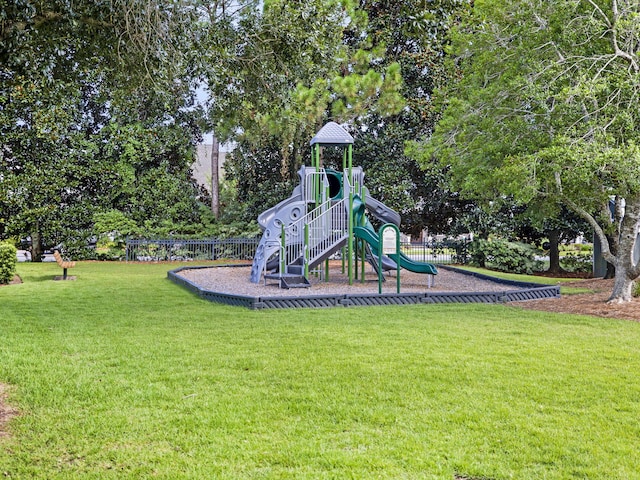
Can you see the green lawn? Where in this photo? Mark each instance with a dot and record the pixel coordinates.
(532, 279)
(122, 374)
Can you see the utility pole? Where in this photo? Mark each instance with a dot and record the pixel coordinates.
(215, 180)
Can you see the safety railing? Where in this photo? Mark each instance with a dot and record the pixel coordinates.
(327, 230)
(316, 187)
(317, 232)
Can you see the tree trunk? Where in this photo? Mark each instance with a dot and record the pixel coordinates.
(622, 287)
(613, 246)
(36, 245)
(554, 252)
(215, 180)
(626, 271)
(611, 271)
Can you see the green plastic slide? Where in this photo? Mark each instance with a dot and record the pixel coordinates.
(368, 234)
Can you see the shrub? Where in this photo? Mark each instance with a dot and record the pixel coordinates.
(505, 256)
(8, 262)
(576, 263)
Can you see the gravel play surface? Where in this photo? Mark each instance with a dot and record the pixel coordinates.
(235, 280)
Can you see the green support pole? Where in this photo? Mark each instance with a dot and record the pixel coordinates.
(363, 253)
(350, 241)
(319, 184)
(315, 161)
(380, 250)
(355, 257)
(283, 250)
(349, 165)
(398, 262)
(306, 250)
(363, 244)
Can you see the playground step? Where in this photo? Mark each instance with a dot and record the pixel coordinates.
(294, 281)
(295, 269)
(288, 280)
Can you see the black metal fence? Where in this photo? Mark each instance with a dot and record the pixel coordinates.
(448, 251)
(175, 249)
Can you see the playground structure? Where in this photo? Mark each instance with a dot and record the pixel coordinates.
(326, 213)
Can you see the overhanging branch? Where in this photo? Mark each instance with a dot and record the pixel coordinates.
(606, 251)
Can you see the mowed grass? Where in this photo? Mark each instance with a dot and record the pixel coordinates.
(122, 374)
(564, 290)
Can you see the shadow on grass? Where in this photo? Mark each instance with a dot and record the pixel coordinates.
(39, 278)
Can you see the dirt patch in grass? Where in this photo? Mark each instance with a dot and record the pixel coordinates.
(16, 279)
(7, 412)
(593, 303)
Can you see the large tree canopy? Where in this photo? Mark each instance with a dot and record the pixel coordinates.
(94, 115)
(413, 34)
(546, 109)
(296, 65)
(370, 64)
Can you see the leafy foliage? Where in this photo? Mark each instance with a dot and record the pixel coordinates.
(504, 256)
(8, 261)
(574, 262)
(546, 109)
(85, 132)
(373, 65)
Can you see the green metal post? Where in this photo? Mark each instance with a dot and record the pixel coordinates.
(350, 240)
(306, 250)
(283, 251)
(349, 165)
(363, 244)
(398, 259)
(380, 250)
(355, 257)
(319, 182)
(363, 253)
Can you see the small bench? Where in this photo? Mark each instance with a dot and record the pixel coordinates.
(62, 263)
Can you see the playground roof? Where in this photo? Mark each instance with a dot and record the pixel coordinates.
(332, 134)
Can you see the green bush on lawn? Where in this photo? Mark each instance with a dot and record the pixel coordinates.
(504, 256)
(8, 262)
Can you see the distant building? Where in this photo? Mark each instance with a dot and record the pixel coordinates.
(202, 165)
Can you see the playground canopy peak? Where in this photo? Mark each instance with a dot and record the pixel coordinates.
(332, 134)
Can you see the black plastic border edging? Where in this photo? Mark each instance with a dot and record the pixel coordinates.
(524, 291)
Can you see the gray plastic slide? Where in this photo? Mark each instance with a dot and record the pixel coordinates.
(265, 217)
(381, 211)
(284, 213)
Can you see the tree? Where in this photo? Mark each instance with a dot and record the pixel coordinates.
(546, 109)
(347, 62)
(74, 77)
(412, 34)
(292, 71)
